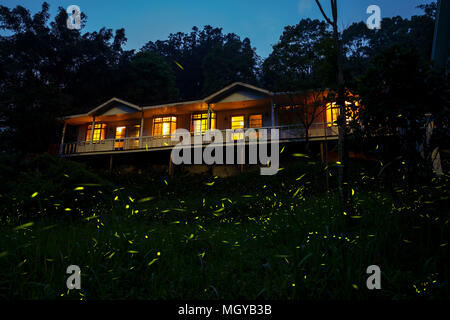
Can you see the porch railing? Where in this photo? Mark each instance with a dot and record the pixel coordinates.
(286, 133)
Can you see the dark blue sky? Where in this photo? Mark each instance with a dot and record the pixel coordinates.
(260, 20)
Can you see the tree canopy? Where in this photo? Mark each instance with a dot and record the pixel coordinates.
(206, 60)
(48, 71)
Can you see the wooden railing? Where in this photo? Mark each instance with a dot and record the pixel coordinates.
(286, 133)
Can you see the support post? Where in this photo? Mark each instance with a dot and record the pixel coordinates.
(272, 106)
(62, 138)
(170, 165)
(441, 39)
(111, 163)
(209, 118)
(92, 134)
(93, 127)
(141, 132)
(321, 152)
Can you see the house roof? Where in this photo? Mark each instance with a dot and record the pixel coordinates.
(223, 92)
(174, 104)
(114, 99)
(236, 86)
(232, 87)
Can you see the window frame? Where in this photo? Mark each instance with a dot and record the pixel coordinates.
(101, 129)
(238, 135)
(255, 114)
(171, 122)
(330, 114)
(213, 117)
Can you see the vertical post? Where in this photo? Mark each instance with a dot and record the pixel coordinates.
(170, 165)
(273, 113)
(141, 132)
(209, 118)
(62, 138)
(325, 126)
(110, 163)
(242, 158)
(321, 152)
(441, 37)
(93, 127)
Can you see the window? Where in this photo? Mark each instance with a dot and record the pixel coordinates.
(332, 114)
(120, 134)
(164, 126)
(99, 132)
(200, 122)
(255, 121)
(237, 123)
(287, 115)
(134, 132)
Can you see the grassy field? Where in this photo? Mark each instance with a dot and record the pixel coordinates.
(149, 236)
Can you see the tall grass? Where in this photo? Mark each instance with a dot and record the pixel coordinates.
(282, 237)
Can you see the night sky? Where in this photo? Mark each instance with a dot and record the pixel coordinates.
(260, 20)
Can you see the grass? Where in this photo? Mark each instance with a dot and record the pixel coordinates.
(280, 237)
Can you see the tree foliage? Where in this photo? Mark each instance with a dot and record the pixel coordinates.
(48, 71)
(302, 58)
(206, 60)
(407, 101)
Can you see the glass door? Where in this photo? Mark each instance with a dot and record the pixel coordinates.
(237, 125)
(120, 136)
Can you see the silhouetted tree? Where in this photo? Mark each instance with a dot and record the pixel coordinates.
(48, 70)
(205, 60)
(303, 58)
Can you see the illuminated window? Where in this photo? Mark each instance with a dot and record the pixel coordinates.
(120, 134)
(99, 132)
(164, 126)
(200, 122)
(134, 132)
(332, 114)
(237, 123)
(255, 121)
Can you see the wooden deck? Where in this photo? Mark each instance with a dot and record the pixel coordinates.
(290, 133)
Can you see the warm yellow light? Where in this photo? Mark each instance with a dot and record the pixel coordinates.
(237, 122)
(166, 128)
(120, 132)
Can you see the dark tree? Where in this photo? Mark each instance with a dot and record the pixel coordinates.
(340, 100)
(303, 58)
(361, 45)
(233, 61)
(199, 58)
(401, 96)
(148, 79)
(48, 71)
